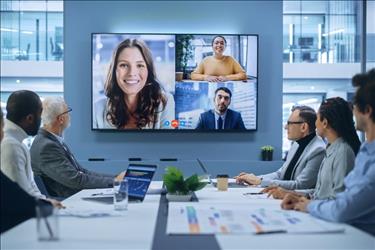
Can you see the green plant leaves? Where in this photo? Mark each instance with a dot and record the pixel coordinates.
(175, 183)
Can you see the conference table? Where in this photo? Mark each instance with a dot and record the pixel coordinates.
(83, 225)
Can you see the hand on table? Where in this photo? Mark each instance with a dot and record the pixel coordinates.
(276, 192)
(289, 201)
(56, 203)
(249, 179)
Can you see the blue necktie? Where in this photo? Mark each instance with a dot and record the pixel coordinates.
(220, 123)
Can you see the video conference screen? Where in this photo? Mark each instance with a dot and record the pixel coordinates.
(174, 82)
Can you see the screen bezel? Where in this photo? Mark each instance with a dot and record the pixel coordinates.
(151, 167)
(222, 131)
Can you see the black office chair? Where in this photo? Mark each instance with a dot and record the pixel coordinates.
(43, 189)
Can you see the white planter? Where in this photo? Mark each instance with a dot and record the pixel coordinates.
(177, 197)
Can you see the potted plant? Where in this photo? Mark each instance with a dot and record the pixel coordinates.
(184, 52)
(180, 189)
(267, 153)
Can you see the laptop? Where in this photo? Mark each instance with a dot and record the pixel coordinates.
(139, 177)
(231, 181)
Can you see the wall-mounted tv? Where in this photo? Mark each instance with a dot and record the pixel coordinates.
(174, 82)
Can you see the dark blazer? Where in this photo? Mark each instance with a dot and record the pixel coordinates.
(61, 173)
(233, 120)
(16, 205)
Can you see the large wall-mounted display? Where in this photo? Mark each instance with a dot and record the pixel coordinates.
(174, 82)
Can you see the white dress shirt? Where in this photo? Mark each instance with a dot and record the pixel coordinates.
(15, 159)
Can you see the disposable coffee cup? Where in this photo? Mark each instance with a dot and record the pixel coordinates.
(179, 76)
(222, 182)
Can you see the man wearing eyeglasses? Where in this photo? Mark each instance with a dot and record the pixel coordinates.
(302, 164)
(356, 204)
(52, 160)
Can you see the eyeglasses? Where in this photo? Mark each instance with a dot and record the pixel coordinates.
(67, 111)
(296, 122)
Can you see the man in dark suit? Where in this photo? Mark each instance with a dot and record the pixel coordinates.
(52, 159)
(221, 117)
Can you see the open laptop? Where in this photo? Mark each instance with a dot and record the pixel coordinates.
(231, 182)
(139, 177)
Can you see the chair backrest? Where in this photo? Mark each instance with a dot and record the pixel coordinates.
(39, 182)
(43, 189)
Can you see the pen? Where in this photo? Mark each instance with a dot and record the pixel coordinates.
(97, 194)
(253, 193)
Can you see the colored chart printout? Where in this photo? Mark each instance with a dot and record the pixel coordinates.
(195, 218)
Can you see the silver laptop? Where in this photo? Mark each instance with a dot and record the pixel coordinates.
(139, 177)
(230, 184)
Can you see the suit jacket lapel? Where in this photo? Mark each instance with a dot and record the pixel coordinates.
(63, 145)
(228, 120)
(211, 120)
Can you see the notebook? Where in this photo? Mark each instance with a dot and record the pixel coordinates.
(139, 177)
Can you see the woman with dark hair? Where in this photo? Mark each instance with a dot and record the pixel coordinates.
(219, 67)
(335, 123)
(135, 98)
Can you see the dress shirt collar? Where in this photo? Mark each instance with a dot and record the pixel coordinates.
(59, 138)
(331, 148)
(306, 140)
(217, 115)
(12, 129)
(368, 147)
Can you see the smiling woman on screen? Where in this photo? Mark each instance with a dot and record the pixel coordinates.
(135, 98)
(219, 67)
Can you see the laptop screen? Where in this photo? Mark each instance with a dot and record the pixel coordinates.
(139, 177)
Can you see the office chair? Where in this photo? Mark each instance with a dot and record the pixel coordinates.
(43, 189)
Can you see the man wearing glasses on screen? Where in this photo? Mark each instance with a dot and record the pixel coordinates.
(52, 160)
(302, 164)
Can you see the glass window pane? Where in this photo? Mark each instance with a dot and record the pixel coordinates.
(33, 33)
(370, 35)
(9, 35)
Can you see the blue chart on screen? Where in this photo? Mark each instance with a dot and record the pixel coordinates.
(139, 177)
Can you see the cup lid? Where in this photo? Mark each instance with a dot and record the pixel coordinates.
(222, 176)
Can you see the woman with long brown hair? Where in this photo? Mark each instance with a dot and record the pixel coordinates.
(135, 98)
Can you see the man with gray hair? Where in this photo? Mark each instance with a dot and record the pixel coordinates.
(301, 167)
(52, 160)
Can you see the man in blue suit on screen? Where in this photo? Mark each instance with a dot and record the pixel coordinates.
(221, 117)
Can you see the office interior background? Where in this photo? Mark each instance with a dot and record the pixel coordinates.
(321, 49)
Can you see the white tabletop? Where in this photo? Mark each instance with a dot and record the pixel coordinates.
(351, 238)
(135, 229)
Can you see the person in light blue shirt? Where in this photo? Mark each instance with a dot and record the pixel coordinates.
(356, 204)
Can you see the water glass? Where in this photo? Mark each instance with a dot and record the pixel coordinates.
(120, 195)
(47, 223)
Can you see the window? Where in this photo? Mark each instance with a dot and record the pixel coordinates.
(321, 51)
(31, 48)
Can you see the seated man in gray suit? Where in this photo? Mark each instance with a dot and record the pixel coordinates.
(302, 164)
(221, 117)
(52, 160)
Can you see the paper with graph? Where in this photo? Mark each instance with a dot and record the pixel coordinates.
(195, 218)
